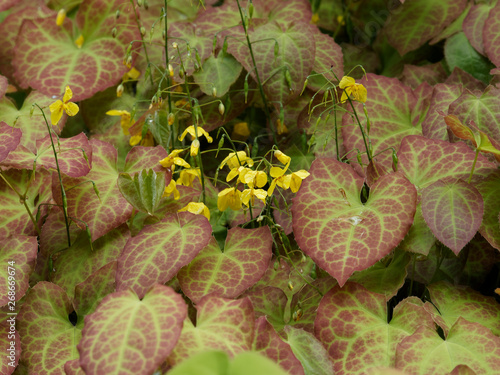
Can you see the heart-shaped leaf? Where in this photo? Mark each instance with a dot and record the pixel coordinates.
(328, 61)
(491, 35)
(474, 23)
(453, 209)
(338, 231)
(126, 334)
(144, 190)
(218, 73)
(414, 75)
(245, 259)
(93, 67)
(221, 324)
(10, 139)
(177, 239)
(48, 337)
(349, 317)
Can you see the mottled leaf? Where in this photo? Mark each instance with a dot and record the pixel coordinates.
(328, 61)
(419, 238)
(338, 231)
(491, 35)
(245, 259)
(489, 188)
(159, 251)
(270, 302)
(218, 73)
(10, 345)
(474, 24)
(128, 335)
(414, 75)
(10, 139)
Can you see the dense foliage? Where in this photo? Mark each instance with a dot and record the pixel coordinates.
(238, 186)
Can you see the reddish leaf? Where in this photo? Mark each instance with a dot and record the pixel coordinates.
(414, 75)
(10, 345)
(328, 61)
(48, 338)
(419, 238)
(129, 335)
(245, 259)
(4, 84)
(337, 231)
(269, 302)
(21, 251)
(461, 77)
(10, 139)
(177, 239)
(491, 35)
(73, 368)
(6, 4)
(459, 130)
(269, 343)
(474, 24)
(453, 209)
(221, 324)
(489, 188)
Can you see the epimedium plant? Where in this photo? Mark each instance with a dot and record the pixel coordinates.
(250, 186)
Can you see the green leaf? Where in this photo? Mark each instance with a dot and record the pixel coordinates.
(419, 238)
(245, 259)
(48, 338)
(270, 302)
(250, 363)
(459, 53)
(343, 227)
(218, 72)
(144, 190)
(210, 362)
(126, 334)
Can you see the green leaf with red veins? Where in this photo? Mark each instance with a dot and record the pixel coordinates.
(460, 77)
(13, 216)
(414, 75)
(9, 336)
(491, 35)
(467, 343)
(328, 61)
(22, 251)
(428, 20)
(269, 302)
(102, 213)
(304, 305)
(73, 368)
(474, 24)
(221, 324)
(160, 250)
(9, 29)
(309, 351)
(4, 84)
(77, 263)
(351, 320)
(140, 158)
(213, 19)
(10, 139)
(443, 95)
(55, 61)
(483, 109)
(74, 155)
(391, 106)
(425, 161)
(32, 127)
(128, 335)
(385, 278)
(6, 4)
(245, 259)
(185, 34)
(453, 209)
(89, 293)
(337, 231)
(269, 343)
(48, 338)
(489, 188)
(294, 55)
(455, 301)
(288, 12)
(419, 238)
(218, 72)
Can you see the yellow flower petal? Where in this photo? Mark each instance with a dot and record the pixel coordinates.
(79, 41)
(135, 139)
(195, 146)
(284, 159)
(240, 131)
(68, 94)
(71, 108)
(346, 81)
(187, 176)
(171, 188)
(197, 209)
(61, 15)
(56, 111)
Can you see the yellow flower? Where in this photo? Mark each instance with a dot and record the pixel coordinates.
(234, 160)
(240, 131)
(57, 108)
(289, 181)
(230, 197)
(197, 209)
(147, 141)
(187, 176)
(237, 171)
(284, 159)
(173, 159)
(281, 128)
(172, 188)
(356, 91)
(79, 41)
(248, 195)
(125, 119)
(315, 18)
(191, 130)
(254, 178)
(61, 15)
(195, 147)
(131, 75)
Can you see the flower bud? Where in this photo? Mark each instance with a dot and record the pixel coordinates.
(128, 63)
(139, 3)
(250, 9)
(214, 92)
(61, 15)
(175, 45)
(143, 30)
(113, 32)
(171, 70)
(181, 73)
(221, 109)
(290, 285)
(119, 90)
(146, 4)
(171, 118)
(245, 88)
(117, 14)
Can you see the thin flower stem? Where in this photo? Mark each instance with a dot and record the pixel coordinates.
(473, 166)
(368, 153)
(264, 100)
(169, 98)
(63, 192)
(336, 133)
(142, 37)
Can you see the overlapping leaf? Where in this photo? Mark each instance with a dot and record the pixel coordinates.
(428, 17)
(491, 35)
(221, 324)
(245, 259)
(48, 338)
(218, 73)
(13, 216)
(21, 251)
(414, 75)
(10, 343)
(129, 335)
(419, 238)
(453, 209)
(328, 61)
(10, 139)
(144, 190)
(270, 302)
(424, 161)
(474, 23)
(467, 343)
(55, 61)
(159, 251)
(351, 320)
(337, 231)
(489, 188)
